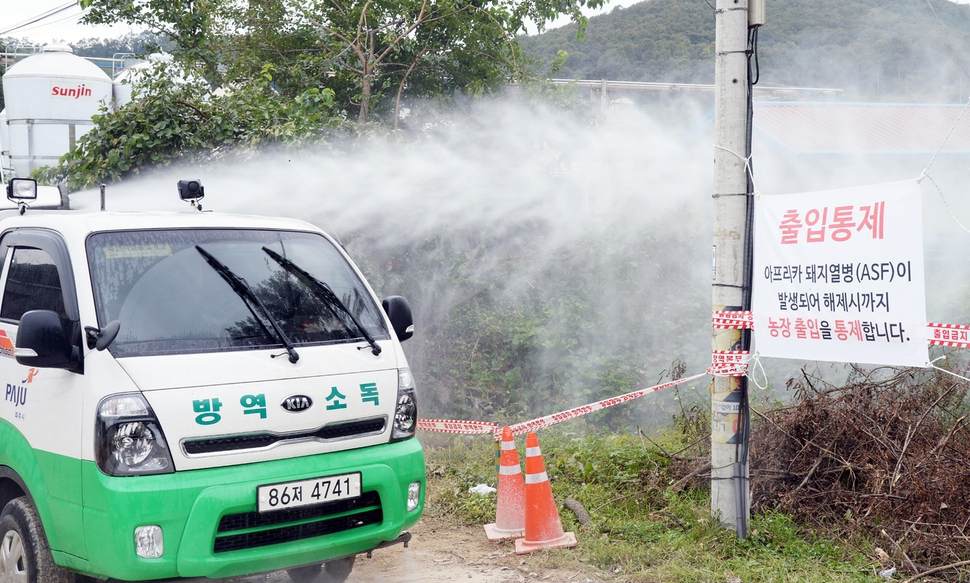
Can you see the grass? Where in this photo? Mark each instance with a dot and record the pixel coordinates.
(642, 531)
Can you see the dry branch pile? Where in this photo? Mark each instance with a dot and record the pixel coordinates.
(887, 454)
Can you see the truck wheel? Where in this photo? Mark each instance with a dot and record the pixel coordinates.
(24, 554)
(330, 572)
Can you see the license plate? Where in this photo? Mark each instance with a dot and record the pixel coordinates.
(308, 492)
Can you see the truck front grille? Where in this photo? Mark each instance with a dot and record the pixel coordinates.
(251, 529)
(342, 430)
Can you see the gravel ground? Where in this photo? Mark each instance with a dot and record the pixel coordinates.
(443, 553)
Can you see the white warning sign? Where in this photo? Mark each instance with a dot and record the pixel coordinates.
(838, 276)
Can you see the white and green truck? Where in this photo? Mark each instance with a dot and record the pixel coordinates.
(195, 395)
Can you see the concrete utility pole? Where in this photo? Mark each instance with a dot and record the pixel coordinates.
(730, 501)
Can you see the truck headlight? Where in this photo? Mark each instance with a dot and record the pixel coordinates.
(406, 409)
(128, 438)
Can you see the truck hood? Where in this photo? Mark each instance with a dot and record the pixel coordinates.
(229, 408)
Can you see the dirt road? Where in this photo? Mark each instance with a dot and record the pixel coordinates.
(444, 553)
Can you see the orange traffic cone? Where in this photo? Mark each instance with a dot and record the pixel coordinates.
(509, 510)
(543, 530)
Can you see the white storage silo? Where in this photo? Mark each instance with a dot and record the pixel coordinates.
(125, 81)
(128, 80)
(50, 99)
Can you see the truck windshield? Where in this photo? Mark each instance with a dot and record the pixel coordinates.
(169, 301)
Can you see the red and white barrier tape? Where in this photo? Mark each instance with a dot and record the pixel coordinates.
(457, 426)
(555, 418)
(733, 320)
(482, 427)
(723, 363)
(729, 363)
(951, 335)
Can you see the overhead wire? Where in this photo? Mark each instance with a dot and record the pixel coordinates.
(30, 19)
(42, 24)
(42, 16)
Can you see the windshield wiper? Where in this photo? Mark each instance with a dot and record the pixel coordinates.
(252, 301)
(323, 291)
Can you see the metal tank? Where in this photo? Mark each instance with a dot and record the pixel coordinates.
(137, 71)
(50, 99)
(128, 78)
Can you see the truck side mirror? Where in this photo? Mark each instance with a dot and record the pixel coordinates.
(42, 341)
(399, 312)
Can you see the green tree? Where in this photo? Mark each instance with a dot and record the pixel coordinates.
(169, 122)
(195, 27)
(372, 53)
(430, 47)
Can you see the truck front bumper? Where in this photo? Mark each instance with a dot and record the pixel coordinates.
(192, 508)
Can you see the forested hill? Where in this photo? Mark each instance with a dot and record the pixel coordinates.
(893, 49)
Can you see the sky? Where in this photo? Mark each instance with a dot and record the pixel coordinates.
(61, 27)
(64, 26)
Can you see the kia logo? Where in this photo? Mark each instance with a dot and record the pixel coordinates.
(297, 403)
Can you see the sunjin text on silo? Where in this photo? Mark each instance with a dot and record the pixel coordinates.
(78, 92)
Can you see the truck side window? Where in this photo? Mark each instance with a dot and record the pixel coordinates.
(32, 284)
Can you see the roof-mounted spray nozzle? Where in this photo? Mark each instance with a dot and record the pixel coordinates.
(192, 192)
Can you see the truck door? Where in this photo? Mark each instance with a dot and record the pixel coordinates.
(43, 405)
